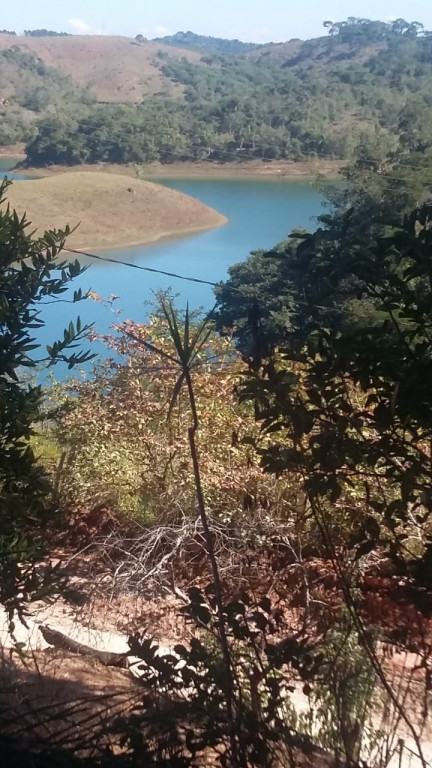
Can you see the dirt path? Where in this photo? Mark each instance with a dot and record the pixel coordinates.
(75, 664)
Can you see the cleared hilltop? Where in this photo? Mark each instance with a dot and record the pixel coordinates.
(111, 210)
(113, 69)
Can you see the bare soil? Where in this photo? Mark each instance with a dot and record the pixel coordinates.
(254, 170)
(110, 211)
(116, 69)
(55, 682)
(14, 151)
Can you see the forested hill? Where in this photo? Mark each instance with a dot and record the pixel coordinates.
(206, 43)
(362, 84)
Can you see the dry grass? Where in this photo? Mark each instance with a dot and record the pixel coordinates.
(252, 169)
(14, 151)
(116, 68)
(111, 210)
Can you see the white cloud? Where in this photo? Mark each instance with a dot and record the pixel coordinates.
(77, 25)
(161, 31)
(157, 31)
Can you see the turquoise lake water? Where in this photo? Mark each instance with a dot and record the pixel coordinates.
(261, 213)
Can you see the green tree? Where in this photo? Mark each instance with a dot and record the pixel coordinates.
(257, 300)
(70, 147)
(348, 392)
(342, 387)
(30, 275)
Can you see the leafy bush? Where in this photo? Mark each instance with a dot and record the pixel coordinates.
(121, 452)
(194, 712)
(30, 273)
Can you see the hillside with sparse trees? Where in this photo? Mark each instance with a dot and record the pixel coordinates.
(365, 83)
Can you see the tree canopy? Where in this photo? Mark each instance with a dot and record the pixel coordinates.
(336, 326)
(45, 33)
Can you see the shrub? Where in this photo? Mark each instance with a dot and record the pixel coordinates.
(30, 274)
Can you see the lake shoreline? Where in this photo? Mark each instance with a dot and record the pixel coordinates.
(111, 212)
(156, 239)
(254, 170)
(259, 216)
(13, 151)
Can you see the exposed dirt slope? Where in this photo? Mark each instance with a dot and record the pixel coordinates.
(115, 68)
(111, 210)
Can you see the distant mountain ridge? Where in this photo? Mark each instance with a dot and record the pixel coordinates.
(205, 42)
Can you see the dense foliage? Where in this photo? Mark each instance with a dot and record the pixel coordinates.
(359, 30)
(205, 42)
(122, 453)
(242, 711)
(30, 274)
(138, 464)
(336, 329)
(45, 33)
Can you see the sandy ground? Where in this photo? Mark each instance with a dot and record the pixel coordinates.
(13, 150)
(254, 170)
(110, 211)
(58, 669)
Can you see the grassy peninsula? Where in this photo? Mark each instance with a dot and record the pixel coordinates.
(110, 210)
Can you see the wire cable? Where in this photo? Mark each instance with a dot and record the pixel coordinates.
(139, 266)
(234, 289)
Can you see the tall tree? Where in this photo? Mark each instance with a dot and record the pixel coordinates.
(345, 383)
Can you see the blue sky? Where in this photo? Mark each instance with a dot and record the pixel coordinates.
(255, 20)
